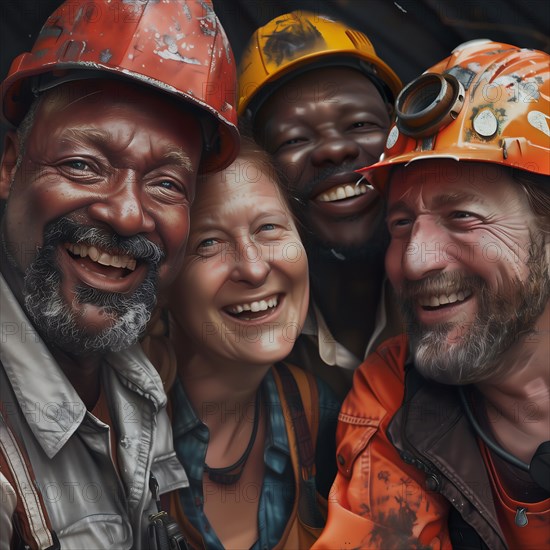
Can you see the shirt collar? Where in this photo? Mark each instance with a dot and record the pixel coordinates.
(277, 451)
(50, 404)
(331, 351)
(184, 419)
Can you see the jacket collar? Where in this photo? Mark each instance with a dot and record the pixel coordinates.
(48, 401)
(432, 425)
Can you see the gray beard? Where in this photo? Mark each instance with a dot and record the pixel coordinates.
(500, 322)
(53, 317)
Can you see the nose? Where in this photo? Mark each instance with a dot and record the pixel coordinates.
(426, 252)
(251, 265)
(335, 148)
(122, 208)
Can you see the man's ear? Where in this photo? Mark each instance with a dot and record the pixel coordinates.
(8, 163)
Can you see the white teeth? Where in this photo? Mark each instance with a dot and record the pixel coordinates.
(101, 257)
(93, 253)
(344, 191)
(104, 259)
(443, 299)
(261, 305)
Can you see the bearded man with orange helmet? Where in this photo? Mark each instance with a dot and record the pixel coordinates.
(443, 440)
(118, 107)
(315, 95)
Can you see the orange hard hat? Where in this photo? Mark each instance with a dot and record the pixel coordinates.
(294, 42)
(177, 47)
(487, 102)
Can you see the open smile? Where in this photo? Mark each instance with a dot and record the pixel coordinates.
(102, 257)
(106, 270)
(438, 301)
(255, 310)
(342, 192)
(346, 199)
(444, 306)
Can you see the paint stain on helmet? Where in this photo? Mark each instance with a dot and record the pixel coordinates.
(292, 39)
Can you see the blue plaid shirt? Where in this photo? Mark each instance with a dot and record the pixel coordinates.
(277, 498)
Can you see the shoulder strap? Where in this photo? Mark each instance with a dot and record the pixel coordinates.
(300, 403)
(299, 395)
(31, 519)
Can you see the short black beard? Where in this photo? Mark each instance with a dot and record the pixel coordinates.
(501, 320)
(53, 317)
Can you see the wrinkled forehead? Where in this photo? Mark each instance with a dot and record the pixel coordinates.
(435, 184)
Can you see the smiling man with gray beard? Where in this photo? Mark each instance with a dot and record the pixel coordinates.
(443, 440)
(55, 320)
(97, 177)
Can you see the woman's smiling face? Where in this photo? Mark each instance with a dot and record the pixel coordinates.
(242, 295)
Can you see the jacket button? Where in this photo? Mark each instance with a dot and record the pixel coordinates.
(433, 483)
(341, 459)
(407, 457)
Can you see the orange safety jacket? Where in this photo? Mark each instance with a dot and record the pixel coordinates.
(410, 470)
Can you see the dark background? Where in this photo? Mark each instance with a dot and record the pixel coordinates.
(410, 35)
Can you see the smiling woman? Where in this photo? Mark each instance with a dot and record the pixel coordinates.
(237, 307)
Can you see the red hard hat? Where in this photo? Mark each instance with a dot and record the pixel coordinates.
(487, 102)
(178, 47)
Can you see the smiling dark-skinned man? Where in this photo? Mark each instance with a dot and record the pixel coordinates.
(117, 109)
(315, 95)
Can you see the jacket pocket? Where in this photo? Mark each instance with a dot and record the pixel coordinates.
(352, 443)
(106, 531)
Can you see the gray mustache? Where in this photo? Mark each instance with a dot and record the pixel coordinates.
(137, 246)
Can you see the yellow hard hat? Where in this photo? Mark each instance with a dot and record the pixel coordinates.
(295, 42)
